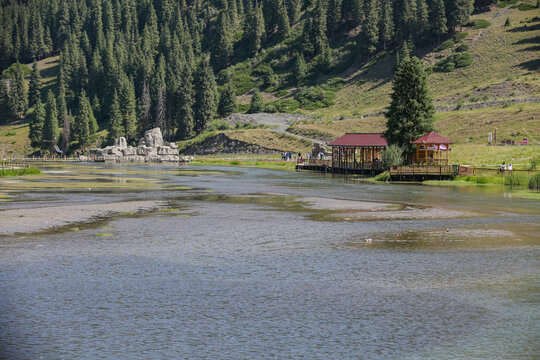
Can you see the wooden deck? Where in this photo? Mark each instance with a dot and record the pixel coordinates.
(343, 168)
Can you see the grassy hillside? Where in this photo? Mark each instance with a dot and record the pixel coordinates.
(471, 101)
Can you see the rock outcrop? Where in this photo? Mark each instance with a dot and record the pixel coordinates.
(151, 148)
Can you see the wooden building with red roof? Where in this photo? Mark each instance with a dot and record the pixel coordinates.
(432, 148)
(358, 152)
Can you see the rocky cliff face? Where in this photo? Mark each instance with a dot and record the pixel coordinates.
(151, 148)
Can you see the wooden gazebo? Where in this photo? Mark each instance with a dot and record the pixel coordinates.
(432, 148)
(360, 152)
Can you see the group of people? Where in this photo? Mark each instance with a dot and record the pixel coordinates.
(505, 167)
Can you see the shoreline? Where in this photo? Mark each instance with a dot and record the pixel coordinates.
(32, 220)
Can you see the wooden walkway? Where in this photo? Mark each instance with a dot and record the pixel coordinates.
(424, 172)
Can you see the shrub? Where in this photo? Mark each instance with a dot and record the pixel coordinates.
(445, 45)
(286, 105)
(384, 176)
(243, 83)
(516, 179)
(9, 73)
(525, 6)
(257, 103)
(462, 48)
(463, 60)
(10, 133)
(281, 93)
(393, 156)
(481, 24)
(534, 162)
(534, 182)
(270, 109)
(314, 97)
(460, 36)
(449, 67)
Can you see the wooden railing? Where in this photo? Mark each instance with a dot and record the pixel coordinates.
(318, 162)
(13, 164)
(424, 170)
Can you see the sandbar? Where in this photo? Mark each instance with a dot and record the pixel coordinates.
(30, 220)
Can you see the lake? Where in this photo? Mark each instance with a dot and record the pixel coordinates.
(236, 263)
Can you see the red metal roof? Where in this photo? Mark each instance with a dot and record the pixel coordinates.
(432, 138)
(360, 139)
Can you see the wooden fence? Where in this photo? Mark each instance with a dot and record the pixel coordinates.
(13, 165)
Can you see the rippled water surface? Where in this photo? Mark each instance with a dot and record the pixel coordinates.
(234, 264)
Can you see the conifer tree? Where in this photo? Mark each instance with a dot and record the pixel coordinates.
(386, 26)
(4, 98)
(62, 105)
(325, 61)
(223, 49)
(34, 86)
(227, 100)
(205, 96)
(82, 124)
(371, 29)
(422, 18)
(333, 16)
(257, 103)
(255, 28)
(320, 40)
(283, 26)
(116, 120)
(66, 132)
(18, 95)
(36, 125)
(50, 125)
(128, 108)
(411, 111)
(300, 69)
(145, 107)
(160, 110)
(438, 19)
(185, 104)
(293, 10)
(463, 11)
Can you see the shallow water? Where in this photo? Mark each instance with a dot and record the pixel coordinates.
(237, 265)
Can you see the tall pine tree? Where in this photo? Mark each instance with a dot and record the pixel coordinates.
(227, 100)
(50, 125)
(411, 111)
(205, 96)
(36, 125)
(34, 86)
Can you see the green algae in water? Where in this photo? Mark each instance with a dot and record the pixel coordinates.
(104, 234)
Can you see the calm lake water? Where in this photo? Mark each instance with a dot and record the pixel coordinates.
(234, 266)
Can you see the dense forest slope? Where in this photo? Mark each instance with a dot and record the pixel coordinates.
(109, 68)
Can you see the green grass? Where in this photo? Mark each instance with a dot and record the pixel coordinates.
(32, 170)
(263, 164)
(481, 24)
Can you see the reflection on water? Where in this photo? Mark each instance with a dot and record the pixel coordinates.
(237, 265)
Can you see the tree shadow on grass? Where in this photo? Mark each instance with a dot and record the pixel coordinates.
(534, 40)
(532, 48)
(525, 28)
(532, 65)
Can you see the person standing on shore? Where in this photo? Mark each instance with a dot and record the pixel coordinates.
(503, 166)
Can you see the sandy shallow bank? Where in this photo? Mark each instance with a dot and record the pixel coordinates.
(368, 210)
(37, 219)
